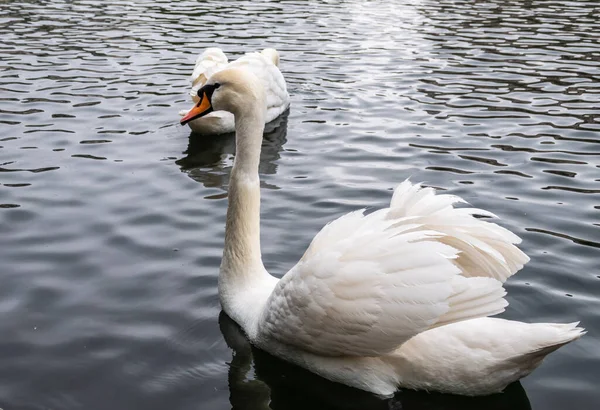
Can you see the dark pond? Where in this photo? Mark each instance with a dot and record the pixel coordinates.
(112, 215)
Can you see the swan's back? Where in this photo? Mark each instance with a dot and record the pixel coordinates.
(395, 298)
(263, 66)
(369, 282)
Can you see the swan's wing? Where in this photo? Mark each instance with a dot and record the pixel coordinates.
(486, 249)
(208, 63)
(263, 66)
(368, 283)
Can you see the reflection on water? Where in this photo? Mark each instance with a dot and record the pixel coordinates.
(209, 159)
(258, 380)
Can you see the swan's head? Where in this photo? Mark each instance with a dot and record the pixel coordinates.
(234, 90)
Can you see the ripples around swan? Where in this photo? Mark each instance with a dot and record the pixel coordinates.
(112, 215)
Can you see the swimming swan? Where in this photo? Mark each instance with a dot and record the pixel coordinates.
(396, 298)
(265, 65)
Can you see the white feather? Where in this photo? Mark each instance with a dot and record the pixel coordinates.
(368, 283)
(486, 249)
(479, 356)
(208, 63)
(409, 287)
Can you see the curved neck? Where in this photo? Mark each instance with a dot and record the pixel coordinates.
(241, 256)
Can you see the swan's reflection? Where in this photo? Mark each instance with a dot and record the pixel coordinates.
(258, 380)
(209, 159)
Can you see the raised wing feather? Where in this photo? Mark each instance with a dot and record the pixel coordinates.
(368, 283)
(486, 249)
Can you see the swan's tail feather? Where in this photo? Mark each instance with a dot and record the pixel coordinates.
(559, 334)
(486, 249)
(545, 338)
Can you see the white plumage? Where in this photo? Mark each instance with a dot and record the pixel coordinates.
(496, 257)
(395, 298)
(368, 283)
(264, 65)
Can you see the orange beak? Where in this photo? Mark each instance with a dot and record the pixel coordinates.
(199, 110)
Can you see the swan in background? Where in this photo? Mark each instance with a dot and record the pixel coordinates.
(264, 65)
(396, 298)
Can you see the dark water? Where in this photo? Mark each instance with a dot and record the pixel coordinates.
(112, 215)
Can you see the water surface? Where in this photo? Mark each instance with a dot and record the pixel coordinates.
(112, 215)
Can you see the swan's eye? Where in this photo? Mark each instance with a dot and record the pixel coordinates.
(208, 90)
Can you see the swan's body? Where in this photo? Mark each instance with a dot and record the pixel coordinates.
(264, 65)
(396, 298)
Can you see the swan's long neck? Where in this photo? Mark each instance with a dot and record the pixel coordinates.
(243, 278)
(242, 231)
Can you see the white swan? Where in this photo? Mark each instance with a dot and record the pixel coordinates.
(395, 298)
(265, 65)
